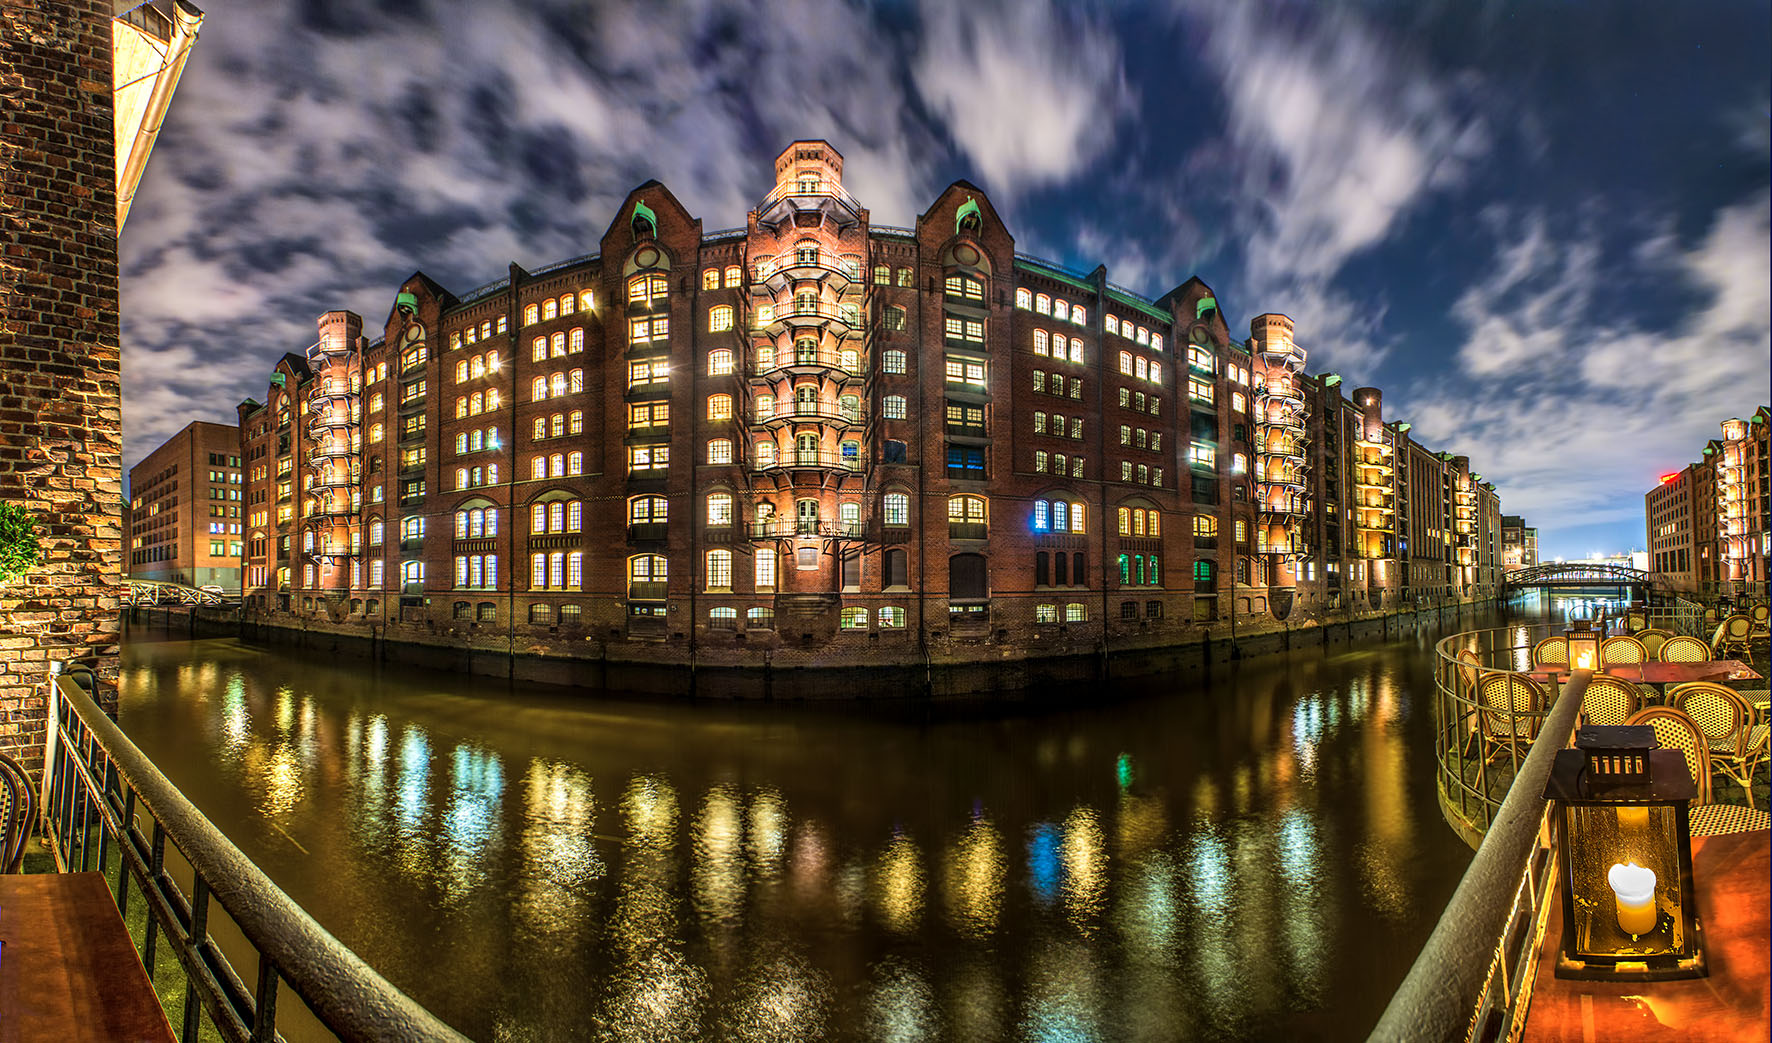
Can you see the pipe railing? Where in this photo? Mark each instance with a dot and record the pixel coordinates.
(1504, 896)
(97, 781)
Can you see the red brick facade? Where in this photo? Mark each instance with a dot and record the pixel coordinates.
(812, 440)
(60, 407)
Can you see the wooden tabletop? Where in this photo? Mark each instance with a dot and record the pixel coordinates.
(1668, 673)
(67, 967)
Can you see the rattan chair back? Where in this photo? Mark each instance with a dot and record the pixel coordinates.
(1683, 649)
(1676, 731)
(1759, 614)
(1552, 651)
(1718, 711)
(1513, 704)
(1469, 668)
(1636, 621)
(1609, 700)
(1652, 640)
(19, 816)
(1622, 650)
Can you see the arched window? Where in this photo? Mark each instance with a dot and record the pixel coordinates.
(538, 390)
(575, 463)
(538, 518)
(531, 313)
(575, 514)
(1040, 339)
(1079, 315)
(556, 465)
(541, 427)
(719, 509)
(586, 300)
(710, 279)
(734, 276)
(557, 516)
(550, 309)
(647, 568)
(719, 407)
(806, 399)
(461, 371)
(893, 361)
(538, 467)
(643, 510)
(719, 362)
(538, 349)
(476, 403)
(1043, 304)
(567, 304)
(806, 450)
(376, 531)
(720, 319)
(765, 452)
(896, 509)
(1061, 309)
(968, 517)
(1126, 362)
(461, 478)
(1024, 298)
(893, 407)
(557, 345)
(765, 405)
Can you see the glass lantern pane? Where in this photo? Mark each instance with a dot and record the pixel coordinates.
(1601, 836)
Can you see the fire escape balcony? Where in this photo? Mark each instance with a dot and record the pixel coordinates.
(1278, 393)
(814, 413)
(798, 267)
(789, 528)
(809, 195)
(823, 363)
(819, 315)
(798, 460)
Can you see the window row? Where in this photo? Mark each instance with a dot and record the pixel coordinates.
(648, 287)
(1059, 516)
(1058, 384)
(557, 346)
(732, 277)
(1137, 334)
(1058, 346)
(478, 366)
(1140, 570)
(554, 307)
(1139, 437)
(1141, 367)
(571, 382)
(465, 478)
(476, 440)
(471, 335)
(559, 465)
(883, 276)
(1057, 463)
(970, 331)
(467, 405)
(1058, 308)
(469, 524)
(647, 329)
(1140, 521)
(1075, 612)
(1143, 474)
(1055, 425)
(1141, 402)
(476, 571)
(559, 425)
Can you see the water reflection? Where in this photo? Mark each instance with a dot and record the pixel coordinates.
(1226, 864)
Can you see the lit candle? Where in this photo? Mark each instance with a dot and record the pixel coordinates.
(1633, 887)
(1632, 819)
(1584, 661)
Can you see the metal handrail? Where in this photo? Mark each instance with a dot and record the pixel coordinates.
(1447, 995)
(96, 777)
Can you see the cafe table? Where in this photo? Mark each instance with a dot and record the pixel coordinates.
(68, 970)
(1664, 674)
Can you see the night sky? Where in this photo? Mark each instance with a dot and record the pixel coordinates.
(1541, 228)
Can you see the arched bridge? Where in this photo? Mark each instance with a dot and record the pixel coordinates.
(155, 592)
(1576, 574)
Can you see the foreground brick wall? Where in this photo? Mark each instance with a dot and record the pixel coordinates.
(60, 400)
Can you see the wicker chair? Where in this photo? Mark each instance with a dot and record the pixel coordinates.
(1636, 621)
(1552, 651)
(1731, 639)
(1609, 700)
(1652, 640)
(1615, 650)
(1683, 649)
(19, 814)
(1758, 615)
(1676, 731)
(1512, 708)
(1737, 745)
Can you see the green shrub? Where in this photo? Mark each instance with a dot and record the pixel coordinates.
(19, 550)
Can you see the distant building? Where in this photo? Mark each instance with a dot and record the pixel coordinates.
(183, 518)
(1708, 524)
(1519, 543)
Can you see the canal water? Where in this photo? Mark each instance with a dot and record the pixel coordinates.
(1250, 854)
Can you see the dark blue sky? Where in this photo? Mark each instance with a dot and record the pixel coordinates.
(1542, 228)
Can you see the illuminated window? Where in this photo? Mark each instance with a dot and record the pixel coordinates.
(734, 276)
(531, 314)
(1024, 298)
(710, 279)
(719, 570)
(893, 407)
(720, 451)
(719, 407)
(719, 362)
(720, 319)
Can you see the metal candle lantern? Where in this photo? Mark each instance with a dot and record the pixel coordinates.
(1625, 849)
(1584, 645)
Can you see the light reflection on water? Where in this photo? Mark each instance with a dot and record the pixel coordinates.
(532, 867)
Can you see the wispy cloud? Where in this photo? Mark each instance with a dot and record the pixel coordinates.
(1030, 91)
(1576, 408)
(1333, 137)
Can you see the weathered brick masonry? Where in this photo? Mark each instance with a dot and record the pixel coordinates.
(60, 400)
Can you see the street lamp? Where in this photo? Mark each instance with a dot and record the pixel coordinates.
(1625, 850)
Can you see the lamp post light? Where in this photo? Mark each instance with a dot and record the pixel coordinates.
(1625, 854)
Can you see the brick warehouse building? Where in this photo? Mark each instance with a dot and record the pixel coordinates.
(819, 441)
(1709, 524)
(184, 517)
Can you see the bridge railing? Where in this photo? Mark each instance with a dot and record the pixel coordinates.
(1467, 983)
(159, 592)
(106, 807)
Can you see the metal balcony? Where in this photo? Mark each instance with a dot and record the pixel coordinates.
(820, 413)
(794, 267)
(826, 198)
(798, 364)
(819, 315)
(798, 459)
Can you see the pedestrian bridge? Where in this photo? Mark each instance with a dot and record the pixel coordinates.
(155, 592)
(1576, 574)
